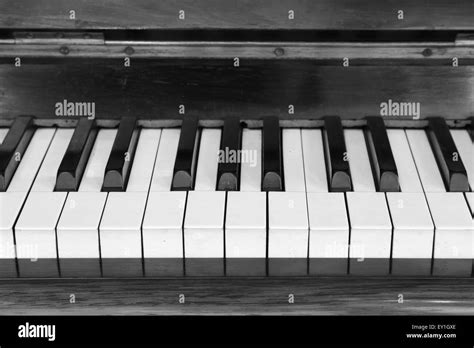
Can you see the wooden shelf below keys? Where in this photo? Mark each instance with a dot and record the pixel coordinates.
(239, 296)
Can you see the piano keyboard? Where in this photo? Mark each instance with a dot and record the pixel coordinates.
(131, 201)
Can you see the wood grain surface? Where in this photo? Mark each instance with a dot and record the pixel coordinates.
(154, 89)
(245, 296)
(241, 14)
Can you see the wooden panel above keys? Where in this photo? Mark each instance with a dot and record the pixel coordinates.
(215, 90)
(241, 14)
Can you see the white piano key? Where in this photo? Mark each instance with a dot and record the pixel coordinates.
(293, 160)
(36, 225)
(3, 133)
(413, 230)
(10, 204)
(37, 222)
(120, 233)
(120, 227)
(287, 232)
(314, 162)
(371, 232)
(46, 178)
(470, 201)
(35, 233)
(425, 161)
(31, 161)
(78, 226)
(328, 233)
(454, 233)
(121, 224)
(206, 172)
(205, 208)
(93, 177)
(12, 201)
(407, 173)
(162, 225)
(78, 235)
(165, 158)
(287, 212)
(370, 236)
(359, 163)
(246, 225)
(466, 151)
(204, 232)
(144, 160)
(251, 168)
(204, 223)
(23, 179)
(164, 213)
(413, 233)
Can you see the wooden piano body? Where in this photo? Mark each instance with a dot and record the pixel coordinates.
(150, 59)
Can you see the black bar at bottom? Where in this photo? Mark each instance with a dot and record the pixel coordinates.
(429, 331)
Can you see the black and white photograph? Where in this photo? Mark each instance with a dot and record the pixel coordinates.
(251, 172)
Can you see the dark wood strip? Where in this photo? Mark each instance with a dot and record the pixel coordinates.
(245, 296)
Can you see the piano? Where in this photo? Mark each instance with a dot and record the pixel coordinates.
(326, 142)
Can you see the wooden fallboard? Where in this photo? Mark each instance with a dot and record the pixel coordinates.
(153, 89)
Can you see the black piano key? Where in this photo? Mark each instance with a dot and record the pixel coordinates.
(228, 173)
(272, 178)
(381, 156)
(337, 162)
(185, 165)
(13, 148)
(447, 156)
(74, 161)
(120, 160)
